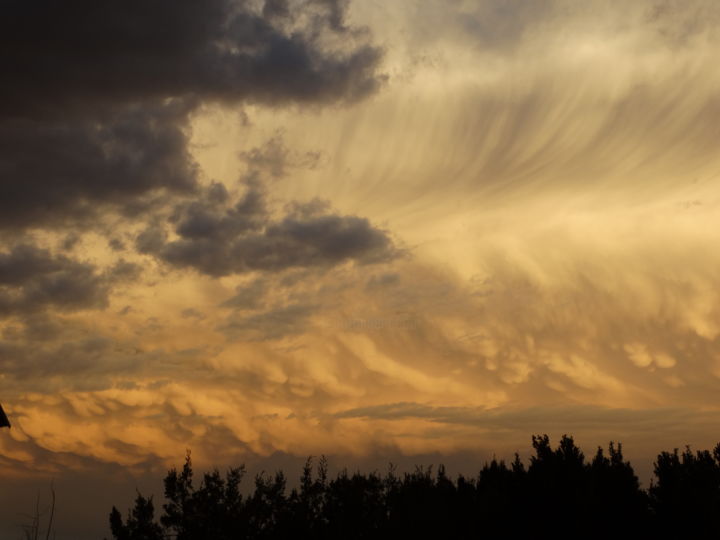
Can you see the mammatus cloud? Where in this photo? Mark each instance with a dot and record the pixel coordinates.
(439, 365)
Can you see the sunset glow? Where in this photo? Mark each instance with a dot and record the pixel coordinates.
(378, 230)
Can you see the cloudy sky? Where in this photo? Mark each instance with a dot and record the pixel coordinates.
(403, 230)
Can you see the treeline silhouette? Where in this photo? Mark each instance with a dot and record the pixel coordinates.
(559, 494)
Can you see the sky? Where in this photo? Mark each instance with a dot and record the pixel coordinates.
(381, 230)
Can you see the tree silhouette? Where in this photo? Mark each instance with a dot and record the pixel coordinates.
(559, 493)
(686, 496)
(140, 524)
(214, 511)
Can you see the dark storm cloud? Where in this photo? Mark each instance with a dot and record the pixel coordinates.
(219, 241)
(57, 170)
(89, 51)
(32, 279)
(290, 243)
(94, 109)
(219, 236)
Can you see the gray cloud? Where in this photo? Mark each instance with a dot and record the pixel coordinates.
(116, 244)
(218, 236)
(274, 323)
(91, 52)
(123, 271)
(55, 353)
(247, 296)
(32, 279)
(95, 113)
(292, 242)
(89, 356)
(271, 157)
(57, 171)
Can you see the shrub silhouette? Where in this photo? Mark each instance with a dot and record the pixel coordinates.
(140, 524)
(213, 511)
(560, 493)
(686, 497)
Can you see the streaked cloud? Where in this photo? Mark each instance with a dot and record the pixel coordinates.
(242, 237)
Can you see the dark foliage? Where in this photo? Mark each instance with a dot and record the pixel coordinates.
(686, 497)
(140, 524)
(560, 494)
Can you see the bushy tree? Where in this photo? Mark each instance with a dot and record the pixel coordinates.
(140, 524)
(686, 494)
(559, 493)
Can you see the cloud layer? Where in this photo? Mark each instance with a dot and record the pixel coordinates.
(96, 112)
(223, 228)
